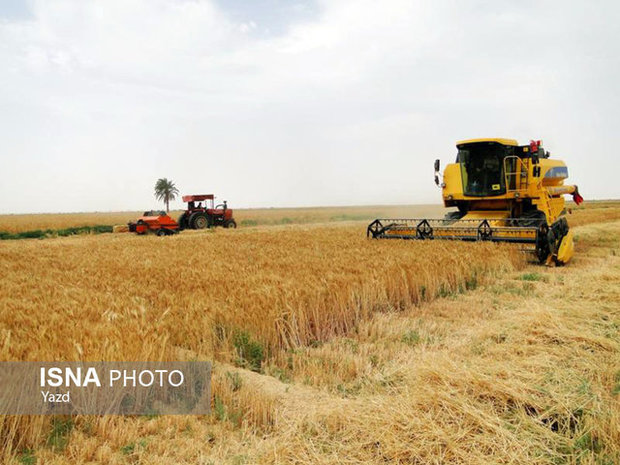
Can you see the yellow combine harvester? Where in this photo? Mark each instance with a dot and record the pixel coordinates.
(504, 192)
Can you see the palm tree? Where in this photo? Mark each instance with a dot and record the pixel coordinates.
(165, 190)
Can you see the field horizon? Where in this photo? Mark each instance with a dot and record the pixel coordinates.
(269, 216)
(290, 207)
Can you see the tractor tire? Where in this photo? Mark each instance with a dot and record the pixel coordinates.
(162, 232)
(230, 224)
(199, 221)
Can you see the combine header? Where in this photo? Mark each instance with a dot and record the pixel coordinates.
(504, 192)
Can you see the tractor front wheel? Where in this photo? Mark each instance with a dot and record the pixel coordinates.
(230, 224)
(161, 232)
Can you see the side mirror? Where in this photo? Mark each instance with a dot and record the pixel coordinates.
(436, 165)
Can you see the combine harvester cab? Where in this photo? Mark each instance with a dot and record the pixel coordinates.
(504, 192)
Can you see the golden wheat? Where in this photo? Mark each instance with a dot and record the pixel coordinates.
(287, 288)
(369, 374)
(133, 298)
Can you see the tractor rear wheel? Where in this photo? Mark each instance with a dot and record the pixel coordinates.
(199, 221)
(230, 224)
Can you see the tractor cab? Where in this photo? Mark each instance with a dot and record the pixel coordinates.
(201, 212)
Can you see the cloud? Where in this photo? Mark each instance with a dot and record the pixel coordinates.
(348, 103)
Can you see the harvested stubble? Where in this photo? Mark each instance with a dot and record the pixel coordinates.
(496, 376)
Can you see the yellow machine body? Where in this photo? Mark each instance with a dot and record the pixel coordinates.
(504, 192)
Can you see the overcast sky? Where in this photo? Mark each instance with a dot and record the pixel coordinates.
(271, 103)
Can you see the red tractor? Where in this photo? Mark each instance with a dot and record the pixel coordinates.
(201, 213)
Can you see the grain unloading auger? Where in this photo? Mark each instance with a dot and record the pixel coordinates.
(504, 192)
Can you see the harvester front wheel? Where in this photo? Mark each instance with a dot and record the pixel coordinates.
(542, 243)
(453, 216)
(532, 218)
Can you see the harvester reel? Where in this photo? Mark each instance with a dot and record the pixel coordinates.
(484, 231)
(375, 229)
(424, 230)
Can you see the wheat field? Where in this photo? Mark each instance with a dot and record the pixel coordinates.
(328, 347)
(245, 217)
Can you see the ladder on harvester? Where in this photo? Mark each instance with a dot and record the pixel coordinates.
(516, 175)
